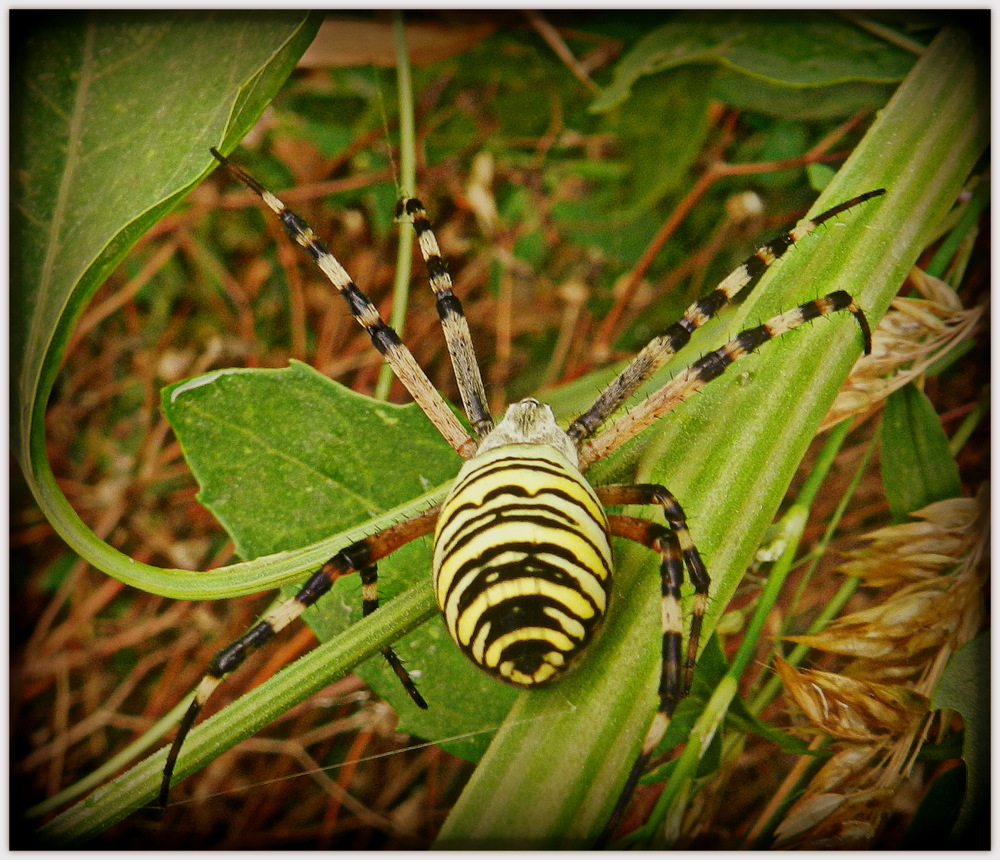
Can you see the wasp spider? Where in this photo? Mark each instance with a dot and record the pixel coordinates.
(522, 560)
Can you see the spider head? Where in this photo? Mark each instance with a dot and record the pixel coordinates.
(529, 422)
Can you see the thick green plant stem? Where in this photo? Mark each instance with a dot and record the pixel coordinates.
(555, 769)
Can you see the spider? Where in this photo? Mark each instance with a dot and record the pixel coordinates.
(522, 562)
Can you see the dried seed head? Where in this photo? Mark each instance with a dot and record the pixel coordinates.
(914, 619)
(937, 567)
(912, 335)
(850, 708)
(923, 550)
(833, 821)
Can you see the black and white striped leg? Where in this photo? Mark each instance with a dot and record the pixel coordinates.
(673, 683)
(361, 557)
(712, 365)
(453, 321)
(369, 603)
(384, 338)
(656, 494)
(736, 287)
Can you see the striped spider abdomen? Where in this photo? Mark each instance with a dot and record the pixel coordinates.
(522, 557)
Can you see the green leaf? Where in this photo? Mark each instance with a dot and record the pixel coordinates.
(286, 457)
(95, 168)
(917, 465)
(804, 65)
(930, 825)
(965, 687)
(644, 137)
(711, 670)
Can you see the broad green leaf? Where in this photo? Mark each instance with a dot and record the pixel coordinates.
(95, 166)
(804, 65)
(917, 466)
(286, 458)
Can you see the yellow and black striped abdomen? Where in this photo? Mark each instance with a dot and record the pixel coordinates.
(522, 562)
